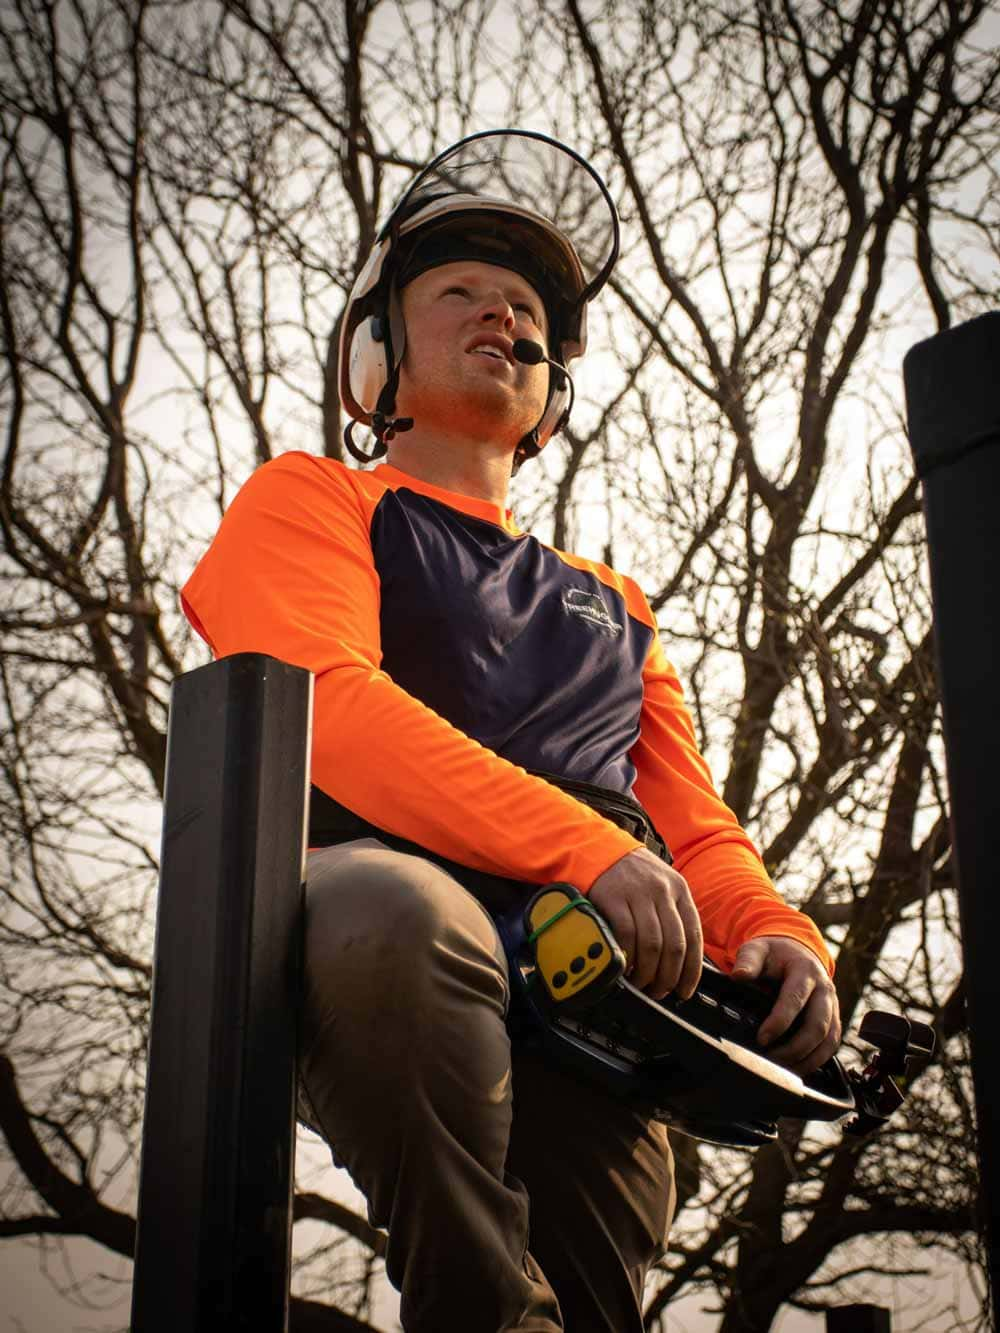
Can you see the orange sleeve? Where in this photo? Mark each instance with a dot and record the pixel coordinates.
(291, 573)
(735, 897)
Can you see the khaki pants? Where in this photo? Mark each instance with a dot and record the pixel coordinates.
(515, 1197)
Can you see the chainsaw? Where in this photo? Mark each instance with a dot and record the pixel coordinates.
(695, 1064)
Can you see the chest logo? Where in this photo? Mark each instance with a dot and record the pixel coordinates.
(589, 607)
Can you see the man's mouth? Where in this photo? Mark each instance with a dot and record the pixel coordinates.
(491, 347)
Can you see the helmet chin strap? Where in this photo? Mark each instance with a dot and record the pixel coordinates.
(527, 447)
(384, 426)
(356, 451)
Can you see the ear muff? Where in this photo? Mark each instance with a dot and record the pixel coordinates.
(554, 414)
(368, 362)
(553, 419)
(376, 349)
(560, 401)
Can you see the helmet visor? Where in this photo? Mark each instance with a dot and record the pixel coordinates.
(530, 173)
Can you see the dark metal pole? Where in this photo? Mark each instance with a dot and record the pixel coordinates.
(214, 1232)
(953, 404)
(859, 1319)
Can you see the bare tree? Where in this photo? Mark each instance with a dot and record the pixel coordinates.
(187, 194)
(781, 241)
(107, 267)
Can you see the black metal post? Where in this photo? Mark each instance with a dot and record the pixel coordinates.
(953, 403)
(214, 1232)
(859, 1319)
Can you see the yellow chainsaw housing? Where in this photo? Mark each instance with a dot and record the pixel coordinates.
(576, 953)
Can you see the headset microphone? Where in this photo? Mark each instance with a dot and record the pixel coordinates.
(530, 353)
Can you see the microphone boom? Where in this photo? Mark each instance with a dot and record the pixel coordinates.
(530, 353)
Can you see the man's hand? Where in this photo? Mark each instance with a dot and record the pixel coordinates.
(806, 986)
(653, 917)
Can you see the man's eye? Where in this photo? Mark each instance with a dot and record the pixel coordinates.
(461, 291)
(528, 310)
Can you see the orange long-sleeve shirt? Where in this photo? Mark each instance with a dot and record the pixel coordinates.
(452, 652)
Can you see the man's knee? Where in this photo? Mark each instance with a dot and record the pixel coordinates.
(365, 893)
(405, 993)
(392, 916)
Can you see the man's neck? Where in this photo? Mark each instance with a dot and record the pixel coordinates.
(466, 467)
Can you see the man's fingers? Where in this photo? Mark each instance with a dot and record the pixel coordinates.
(792, 998)
(679, 964)
(618, 915)
(673, 931)
(673, 943)
(694, 947)
(651, 944)
(820, 1054)
(750, 960)
(803, 1063)
(650, 910)
(817, 1038)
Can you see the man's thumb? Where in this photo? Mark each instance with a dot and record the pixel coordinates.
(750, 959)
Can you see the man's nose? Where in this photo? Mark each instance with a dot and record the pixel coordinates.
(497, 309)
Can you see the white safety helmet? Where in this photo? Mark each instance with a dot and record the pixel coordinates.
(471, 202)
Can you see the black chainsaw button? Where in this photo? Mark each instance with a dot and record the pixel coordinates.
(595, 950)
(578, 964)
(559, 980)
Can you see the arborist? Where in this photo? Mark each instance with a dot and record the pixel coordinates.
(491, 715)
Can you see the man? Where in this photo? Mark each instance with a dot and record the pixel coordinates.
(457, 661)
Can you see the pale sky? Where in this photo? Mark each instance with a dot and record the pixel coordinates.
(32, 1298)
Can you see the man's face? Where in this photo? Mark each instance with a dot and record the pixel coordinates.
(461, 322)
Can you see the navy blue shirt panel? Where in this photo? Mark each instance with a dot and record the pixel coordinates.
(536, 660)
